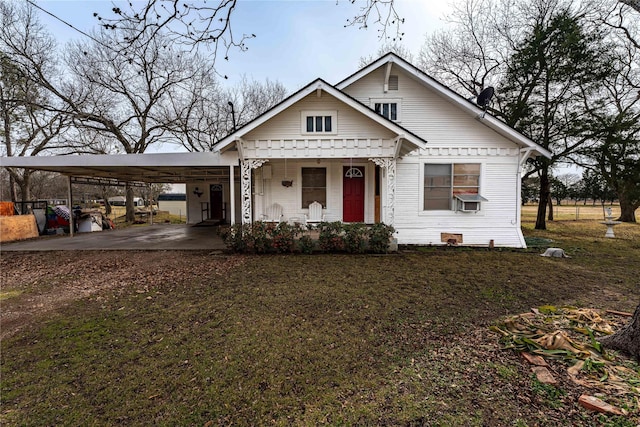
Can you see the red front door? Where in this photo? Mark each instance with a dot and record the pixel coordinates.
(353, 194)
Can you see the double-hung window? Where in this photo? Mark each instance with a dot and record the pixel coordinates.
(314, 186)
(452, 186)
(319, 122)
(388, 108)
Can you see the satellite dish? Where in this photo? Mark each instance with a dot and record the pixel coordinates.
(485, 97)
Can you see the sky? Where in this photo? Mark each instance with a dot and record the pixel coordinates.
(297, 40)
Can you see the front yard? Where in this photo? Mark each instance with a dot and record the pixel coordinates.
(190, 338)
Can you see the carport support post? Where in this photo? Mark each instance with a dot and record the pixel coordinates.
(232, 195)
(72, 221)
(150, 205)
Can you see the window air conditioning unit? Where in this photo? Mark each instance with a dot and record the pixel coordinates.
(469, 202)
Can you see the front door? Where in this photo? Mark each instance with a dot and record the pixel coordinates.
(215, 198)
(353, 194)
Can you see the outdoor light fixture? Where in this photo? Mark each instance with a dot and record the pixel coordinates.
(197, 192)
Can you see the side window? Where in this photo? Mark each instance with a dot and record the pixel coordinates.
(437, 187)
(314, 186)
(388, 108)
(445, 185)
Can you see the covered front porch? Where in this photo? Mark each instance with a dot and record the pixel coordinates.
(348, 190)
(353, 179)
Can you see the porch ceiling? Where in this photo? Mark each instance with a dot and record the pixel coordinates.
(151, 168)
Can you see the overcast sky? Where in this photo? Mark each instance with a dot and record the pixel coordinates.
(297, 40)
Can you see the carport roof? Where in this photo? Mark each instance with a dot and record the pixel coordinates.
(150, 168)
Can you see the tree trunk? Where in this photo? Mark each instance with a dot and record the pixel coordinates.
(131, 216)
(550, 216)
(107, 207)
(627, 209)
(545, 191)
(627, 339)
(13, 189)
(25, 191)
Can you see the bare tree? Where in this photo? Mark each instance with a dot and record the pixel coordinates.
(30, 123)
(635, 4)
(127, 99)
(209, 24)
(252, 98)
(211, 113)
(396, 47)
(471, 53)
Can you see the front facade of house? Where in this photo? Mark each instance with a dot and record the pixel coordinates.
(388, 144)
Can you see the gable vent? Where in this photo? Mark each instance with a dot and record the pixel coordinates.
(393, 82)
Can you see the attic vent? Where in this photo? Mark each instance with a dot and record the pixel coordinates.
(393, 82)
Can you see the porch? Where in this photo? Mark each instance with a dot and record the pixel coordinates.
(350, 190)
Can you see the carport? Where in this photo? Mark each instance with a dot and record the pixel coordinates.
(137, 169)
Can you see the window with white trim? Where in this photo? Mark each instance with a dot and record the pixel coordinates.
(323, 122)
(388, 108)
(452, 186)
(314, 186)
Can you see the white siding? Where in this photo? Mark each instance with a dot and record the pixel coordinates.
(498, 219)
(270, 191)
(288, 125)
(452, 137)
(427, 114)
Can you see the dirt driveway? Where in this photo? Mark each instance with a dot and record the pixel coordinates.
(35, 284)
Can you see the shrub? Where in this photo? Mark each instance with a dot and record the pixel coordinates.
(379, 236)
(330, 237)
(283, 237)
(264, 237)
(306, 245)
(259, 239)
(355, 237)
(235, 237)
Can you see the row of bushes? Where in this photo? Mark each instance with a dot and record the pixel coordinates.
(264, 237)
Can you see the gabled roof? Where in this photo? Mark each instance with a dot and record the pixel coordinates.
(467, 106)
(319, 84)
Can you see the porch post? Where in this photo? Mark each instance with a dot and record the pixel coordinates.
(232, 195)
(389, 166)
(246, 166)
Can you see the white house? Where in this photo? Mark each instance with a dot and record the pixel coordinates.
(387, 144)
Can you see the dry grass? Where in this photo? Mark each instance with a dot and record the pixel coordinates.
(570, 212)
(196, 339)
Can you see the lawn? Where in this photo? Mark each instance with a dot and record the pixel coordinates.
(199, 339)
